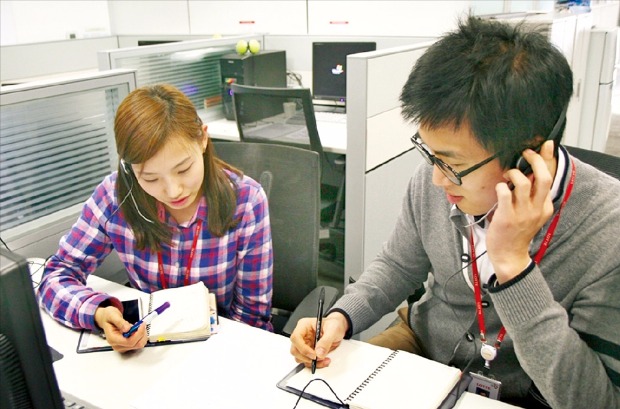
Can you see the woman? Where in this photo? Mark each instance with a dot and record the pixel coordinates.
(175, 214)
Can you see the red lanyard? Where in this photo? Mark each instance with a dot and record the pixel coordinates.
(189, 260)
(537, 258)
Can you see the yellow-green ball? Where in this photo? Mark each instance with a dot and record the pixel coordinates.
(242, 47)
(254, 46)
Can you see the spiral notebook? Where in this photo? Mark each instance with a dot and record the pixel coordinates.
(366, 376)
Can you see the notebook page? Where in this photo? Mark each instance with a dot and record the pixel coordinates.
(189, 311)
(352, 362)
(408, 381)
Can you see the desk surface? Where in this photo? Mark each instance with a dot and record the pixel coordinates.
(236, 368)
(333, 135)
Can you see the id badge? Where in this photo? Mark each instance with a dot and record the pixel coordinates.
(485, 386)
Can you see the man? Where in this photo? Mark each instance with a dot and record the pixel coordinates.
(539, 246)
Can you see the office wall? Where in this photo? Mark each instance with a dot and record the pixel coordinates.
(29, 21)
(24, 61)
(50, 23)
(26, 22)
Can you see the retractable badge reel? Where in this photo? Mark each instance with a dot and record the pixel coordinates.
(488, 352)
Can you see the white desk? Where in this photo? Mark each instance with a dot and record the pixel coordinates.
(333, 135)
(236, 368)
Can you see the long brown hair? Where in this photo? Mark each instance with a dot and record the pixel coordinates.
(146, 120)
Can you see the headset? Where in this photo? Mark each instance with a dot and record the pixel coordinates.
(126, 175)
(523, 165)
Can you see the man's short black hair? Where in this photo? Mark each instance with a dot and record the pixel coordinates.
(506, 81)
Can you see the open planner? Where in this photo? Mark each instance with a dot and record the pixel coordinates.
(192, 316)
(366, 376)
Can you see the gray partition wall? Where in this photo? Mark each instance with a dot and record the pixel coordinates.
(380, 157)
(57, 144)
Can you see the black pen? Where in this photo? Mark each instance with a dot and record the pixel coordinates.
(319, 322)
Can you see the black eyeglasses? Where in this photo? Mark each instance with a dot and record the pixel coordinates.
(452, 175)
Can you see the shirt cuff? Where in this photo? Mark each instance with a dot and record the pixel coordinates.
(109, 302)
(495, 286)
(349, 332)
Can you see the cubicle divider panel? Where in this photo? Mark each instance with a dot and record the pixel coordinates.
(193, 66)
(388, 137)
(380, 158)
(57, 142)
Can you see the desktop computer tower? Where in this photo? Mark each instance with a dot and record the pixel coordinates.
(265, 69)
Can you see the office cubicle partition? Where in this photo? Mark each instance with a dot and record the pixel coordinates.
(192, 66)
(57, 144)
(380, 157)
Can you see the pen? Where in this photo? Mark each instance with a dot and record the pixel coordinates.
(147, 319)
(319, 322)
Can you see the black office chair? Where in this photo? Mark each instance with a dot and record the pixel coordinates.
(286, 116)
(602, 161)
(293, 176)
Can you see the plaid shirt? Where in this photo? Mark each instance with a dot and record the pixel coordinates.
(237, 267)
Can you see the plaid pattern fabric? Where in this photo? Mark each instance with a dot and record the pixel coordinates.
(237, 267)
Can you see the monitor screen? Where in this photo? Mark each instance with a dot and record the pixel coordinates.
(26, 372)
(329, 68)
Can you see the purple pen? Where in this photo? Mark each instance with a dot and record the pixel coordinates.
(147, 319)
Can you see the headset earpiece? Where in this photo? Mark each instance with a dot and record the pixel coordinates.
(523, 165)
(127, 172)
(125, 167)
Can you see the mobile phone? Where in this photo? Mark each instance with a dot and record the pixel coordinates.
(131, 310)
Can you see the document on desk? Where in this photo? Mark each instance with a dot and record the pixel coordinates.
(366, 376)
(192, 316)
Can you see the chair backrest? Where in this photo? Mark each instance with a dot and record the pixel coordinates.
(293, 211)
(276, 115)
(602, 161)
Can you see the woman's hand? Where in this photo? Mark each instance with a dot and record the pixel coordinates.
(111, 321)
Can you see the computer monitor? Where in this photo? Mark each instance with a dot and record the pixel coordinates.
(27, 378)
(329, 70)
(154, 42)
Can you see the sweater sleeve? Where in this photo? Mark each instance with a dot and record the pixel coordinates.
(572, 357)
(399, 269)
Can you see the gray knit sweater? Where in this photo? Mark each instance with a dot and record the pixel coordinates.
(562, 317)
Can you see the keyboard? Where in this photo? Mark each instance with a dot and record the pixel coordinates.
(335, 117)
(68, 402)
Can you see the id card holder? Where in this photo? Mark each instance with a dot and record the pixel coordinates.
(485, 386)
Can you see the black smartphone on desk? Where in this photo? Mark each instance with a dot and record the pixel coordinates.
(131, 311)
(93, 341)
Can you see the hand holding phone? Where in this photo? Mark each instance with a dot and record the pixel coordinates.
(523, 165)
(521, 212)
